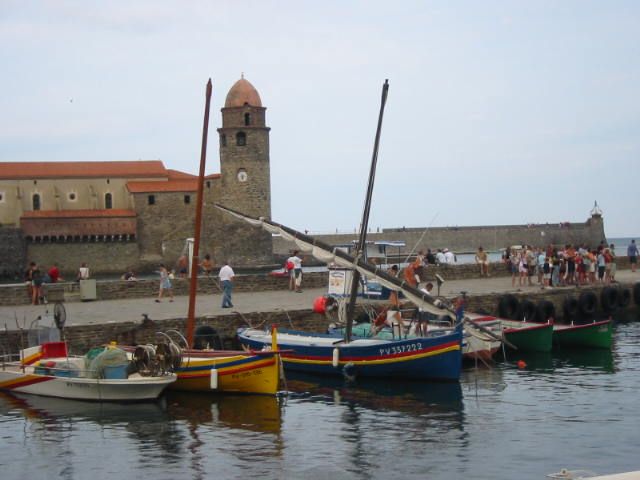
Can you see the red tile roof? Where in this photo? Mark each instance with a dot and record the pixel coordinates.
(169, 186)
(79, 213)
(119, 169)
(178, 175)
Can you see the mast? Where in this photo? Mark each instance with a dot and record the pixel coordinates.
(355, 279)
(193, 285)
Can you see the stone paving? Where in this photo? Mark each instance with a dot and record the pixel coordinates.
(109, 311)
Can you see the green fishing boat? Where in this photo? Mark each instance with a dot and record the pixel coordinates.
(588, 335)
(525, 336)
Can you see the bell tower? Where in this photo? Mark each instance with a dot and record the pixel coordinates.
(245, 183)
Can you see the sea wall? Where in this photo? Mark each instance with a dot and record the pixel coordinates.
(82, 338)
(468, 239)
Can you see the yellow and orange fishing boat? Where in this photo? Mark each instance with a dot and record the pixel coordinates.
(229, 371)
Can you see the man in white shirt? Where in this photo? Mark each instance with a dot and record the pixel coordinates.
(440, 258)
(449, 256)
(226, 278)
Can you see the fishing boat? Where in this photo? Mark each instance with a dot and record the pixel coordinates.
(256, 372)
(525, 336)
(104, 375)
(476, 344)
(435, 355)
(586, 335)
(217, 371)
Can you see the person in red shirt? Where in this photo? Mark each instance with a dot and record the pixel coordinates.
(54, 273)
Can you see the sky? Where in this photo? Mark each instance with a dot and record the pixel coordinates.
(499, 112)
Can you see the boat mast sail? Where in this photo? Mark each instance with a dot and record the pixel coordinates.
(193, 286)
(364, 225)
(328, 254)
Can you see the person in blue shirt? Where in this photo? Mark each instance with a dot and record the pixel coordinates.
(632, 253)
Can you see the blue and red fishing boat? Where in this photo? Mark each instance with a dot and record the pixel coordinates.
(437, 356)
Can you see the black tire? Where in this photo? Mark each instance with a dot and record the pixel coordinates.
(570, 308)
(624, 298)
(206, 337)
(508, 307)
(636, 294)
(545, 311)
(609, 299)
(587, 303)
(528, 311)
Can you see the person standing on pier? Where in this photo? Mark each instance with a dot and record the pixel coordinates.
(295, 278)
(165, 284)
(632, 253)
(226, 278)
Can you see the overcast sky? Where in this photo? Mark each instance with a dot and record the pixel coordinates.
(498, 112)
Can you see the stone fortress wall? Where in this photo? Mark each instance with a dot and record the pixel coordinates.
(468, 239)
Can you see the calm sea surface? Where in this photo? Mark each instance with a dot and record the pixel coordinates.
(579, 410)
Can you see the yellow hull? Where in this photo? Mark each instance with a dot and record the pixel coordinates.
(241, 373)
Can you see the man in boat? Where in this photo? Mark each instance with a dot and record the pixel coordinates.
(411, 272)
(423, 317)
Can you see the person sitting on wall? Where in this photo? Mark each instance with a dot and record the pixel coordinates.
(183, 266)
(54, 274)
(207, 265)
(483, 261)
(129, 276)
(83, 272)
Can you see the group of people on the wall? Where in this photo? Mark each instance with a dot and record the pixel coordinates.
(37, 277)
(564, 266)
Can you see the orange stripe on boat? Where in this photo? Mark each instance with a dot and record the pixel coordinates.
(32, 358)
(205, 371)
(24, 381)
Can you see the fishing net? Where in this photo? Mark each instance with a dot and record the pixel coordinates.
(96, 360)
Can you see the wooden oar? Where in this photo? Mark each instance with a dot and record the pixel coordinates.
(489, 332)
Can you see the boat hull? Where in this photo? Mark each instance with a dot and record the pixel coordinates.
(101, 390)
(235, 373)
(438, 357)
(590, 335)
(525, 336)
(533, 338)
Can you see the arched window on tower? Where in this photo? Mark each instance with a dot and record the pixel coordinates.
(36, 201)
(241, 139)
(223, 140)
(247, 119)
(108, 201)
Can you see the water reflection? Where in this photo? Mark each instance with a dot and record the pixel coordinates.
(257, 413)
(593, 359)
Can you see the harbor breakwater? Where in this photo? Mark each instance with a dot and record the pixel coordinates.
(468, 239)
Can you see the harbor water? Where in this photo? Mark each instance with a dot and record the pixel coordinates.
(567, 409)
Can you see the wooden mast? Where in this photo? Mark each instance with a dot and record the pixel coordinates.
(355, 278)
(193, 285)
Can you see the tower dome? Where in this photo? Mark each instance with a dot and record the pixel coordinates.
(242, 93)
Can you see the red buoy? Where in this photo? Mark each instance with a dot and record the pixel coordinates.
(522, 364)
(320, 305)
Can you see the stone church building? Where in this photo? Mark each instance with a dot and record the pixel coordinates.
(124, 215)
